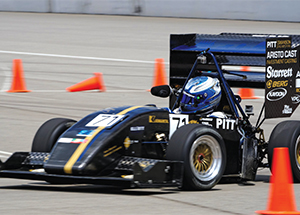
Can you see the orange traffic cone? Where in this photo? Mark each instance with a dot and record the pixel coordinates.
(18, 83)
(246, 93)
(160, 77)
(281, 195)
(92, 83)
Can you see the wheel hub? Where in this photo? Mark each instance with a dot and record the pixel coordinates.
(202, 158)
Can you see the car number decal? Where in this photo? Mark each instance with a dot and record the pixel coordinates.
(107, 120)
(176, 121)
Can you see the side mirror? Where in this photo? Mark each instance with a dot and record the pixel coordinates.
(163, 91)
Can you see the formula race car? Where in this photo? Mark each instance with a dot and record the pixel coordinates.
(202, 136)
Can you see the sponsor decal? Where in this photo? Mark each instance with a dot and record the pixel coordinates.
(269, 84)
(64, 140)
(280, 83)
(71, 140)
(193, 122)
(127, 142)
(86, 133)
(287, 109)
(207, 121)
(225, 124)
(276, 94)
(137, 128)
(281, 54)
(279, 73)
(295, 99)
(274, 84)
(77, 141)
(153, 119)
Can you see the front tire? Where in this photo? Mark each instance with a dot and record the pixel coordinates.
(203, 152)
(287, 134)
(49, 132)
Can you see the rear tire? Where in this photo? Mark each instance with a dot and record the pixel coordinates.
(48, 134)
(287, 134)
(203, 152)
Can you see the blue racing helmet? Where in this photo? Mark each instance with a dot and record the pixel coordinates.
(200, 94)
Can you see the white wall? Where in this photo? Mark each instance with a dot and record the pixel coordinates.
(269, 10)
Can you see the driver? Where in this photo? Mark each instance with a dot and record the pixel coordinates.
(201, 94)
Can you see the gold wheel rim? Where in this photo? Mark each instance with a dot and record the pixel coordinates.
(202, 158)
(298, 153)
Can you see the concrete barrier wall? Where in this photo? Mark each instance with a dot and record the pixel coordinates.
(267, 10)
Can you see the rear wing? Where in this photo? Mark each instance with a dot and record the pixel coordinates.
(243, 54)
(269, 62)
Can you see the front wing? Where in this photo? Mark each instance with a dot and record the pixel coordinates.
(145, 172)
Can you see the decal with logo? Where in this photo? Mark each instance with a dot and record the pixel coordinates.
(269, 84)
(85, 133)
(137, 128)
(287, 109)
(276, 94)
(153, 119)
(279, 73)
(71, 140)
(193, 122)
(207, 121)
(295, 98)
(279, 83)
(220, 123)
(225, 124)
(127, 142)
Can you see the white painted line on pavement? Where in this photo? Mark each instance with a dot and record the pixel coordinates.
(6, 153)
(77, 57)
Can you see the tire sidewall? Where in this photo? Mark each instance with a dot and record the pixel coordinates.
(189, 173)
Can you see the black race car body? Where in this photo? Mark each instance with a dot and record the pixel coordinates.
(105, 145)
(148, 146)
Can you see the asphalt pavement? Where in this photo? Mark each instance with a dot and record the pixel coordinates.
(60, 50)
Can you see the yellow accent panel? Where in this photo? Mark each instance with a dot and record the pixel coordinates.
(69, 165)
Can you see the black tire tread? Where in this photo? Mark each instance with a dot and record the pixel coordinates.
(48, 133)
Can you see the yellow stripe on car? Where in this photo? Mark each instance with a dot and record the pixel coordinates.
(69, 165)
